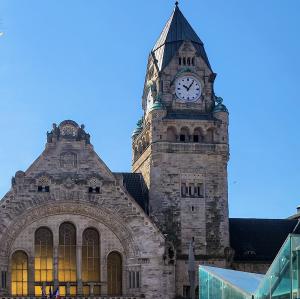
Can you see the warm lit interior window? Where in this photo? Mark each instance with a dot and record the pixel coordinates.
(43, 261)
(19, 274)
(67, 256)
(90, 259)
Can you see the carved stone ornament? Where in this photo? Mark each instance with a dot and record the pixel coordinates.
(43, 181)
(68, 130)
(69, 183)
(68, 160)
(94, 182)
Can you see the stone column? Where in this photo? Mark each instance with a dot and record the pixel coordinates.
(79, 267)
(55, 267)
(68, 289)
(31, 275)
(91, 289)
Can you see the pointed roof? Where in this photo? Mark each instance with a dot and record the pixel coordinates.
(176, 31)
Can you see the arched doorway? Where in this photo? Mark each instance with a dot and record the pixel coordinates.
(114, 273)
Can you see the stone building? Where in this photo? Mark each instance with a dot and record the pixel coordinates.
(71, 222)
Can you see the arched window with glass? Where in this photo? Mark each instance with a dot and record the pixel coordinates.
(91, 260)
(19, 274)
(67, 258)
(43, 260)
(114, 273)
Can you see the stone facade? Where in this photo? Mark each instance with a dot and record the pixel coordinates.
(67, 169)
(175, 197)
(184, 145)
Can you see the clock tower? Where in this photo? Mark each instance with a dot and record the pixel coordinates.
(181, 146)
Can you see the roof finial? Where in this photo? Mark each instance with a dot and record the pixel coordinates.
(176, 3)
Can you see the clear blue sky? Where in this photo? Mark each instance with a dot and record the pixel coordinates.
(85, 60)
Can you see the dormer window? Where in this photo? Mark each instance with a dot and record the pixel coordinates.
(43, 189)
(94, 190)
(43, 184)
(94, 186)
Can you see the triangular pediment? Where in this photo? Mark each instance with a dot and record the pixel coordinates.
(69, 153)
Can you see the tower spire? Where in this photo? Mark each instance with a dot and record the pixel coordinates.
(176, 31)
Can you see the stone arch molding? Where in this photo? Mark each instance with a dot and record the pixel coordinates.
(97, 213)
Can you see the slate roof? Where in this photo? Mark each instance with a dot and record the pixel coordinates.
(137, 188)
(176, 31)
(259, 239)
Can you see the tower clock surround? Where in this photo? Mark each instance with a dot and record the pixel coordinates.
(188, 88)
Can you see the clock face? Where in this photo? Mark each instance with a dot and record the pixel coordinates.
(149, 100)
(188, 89)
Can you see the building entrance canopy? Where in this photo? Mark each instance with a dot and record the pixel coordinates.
(282, 280)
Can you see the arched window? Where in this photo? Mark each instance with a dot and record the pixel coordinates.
(171, 134)
(140, 148)
(90, 260)
(147, 139)
(67, 257)
(188, 61)
(43, 260)
(198, 135)
(19, 274)
(184, 134)
(143, 143)
(136, 152)
(114, 274)
(209, 137)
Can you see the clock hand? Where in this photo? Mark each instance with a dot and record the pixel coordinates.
(185, 87)
(190, 85)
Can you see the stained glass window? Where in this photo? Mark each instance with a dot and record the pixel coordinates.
(91, 258)
(43, 261)
(67, 255)
(19, 274)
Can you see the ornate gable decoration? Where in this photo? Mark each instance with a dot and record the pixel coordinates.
(68, 160)
(68, 130)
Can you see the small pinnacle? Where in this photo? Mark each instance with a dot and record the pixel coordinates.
(176, 3)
